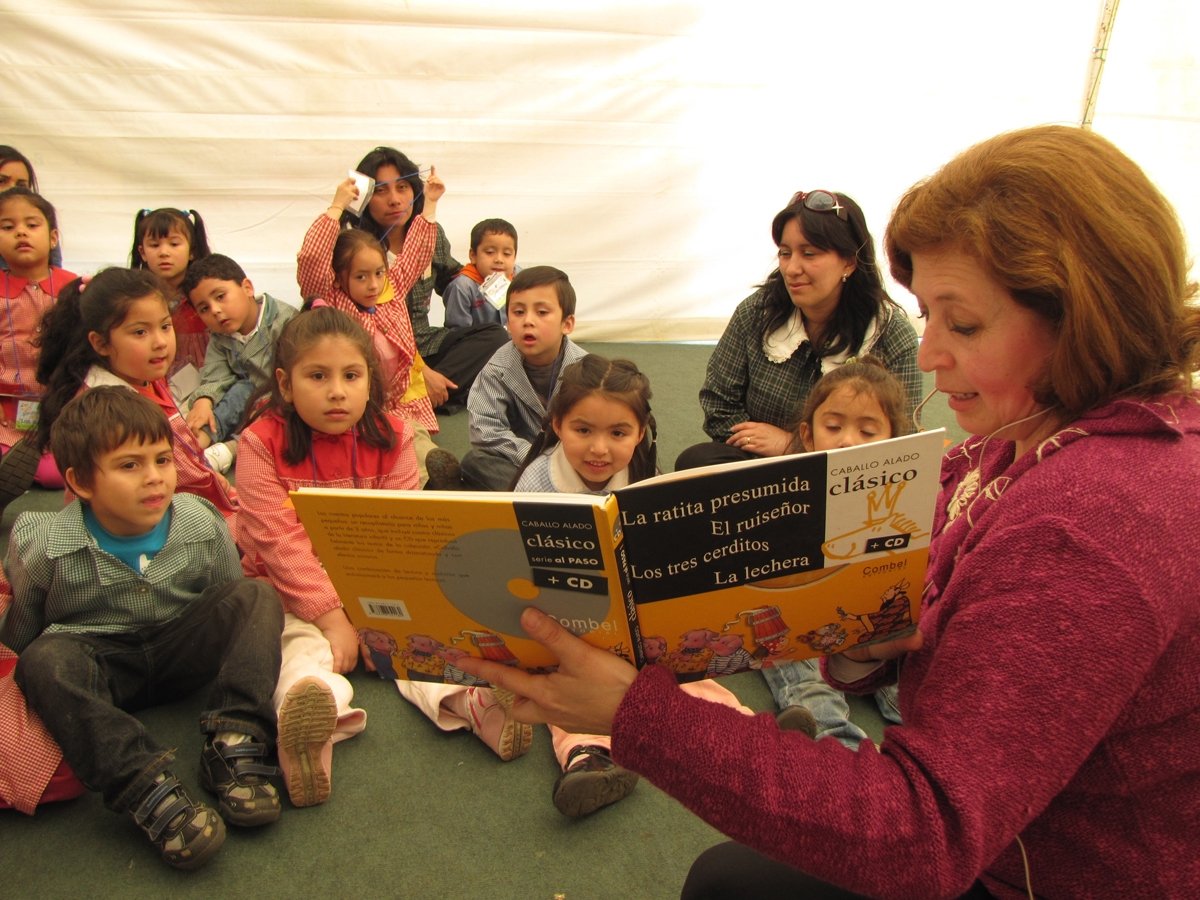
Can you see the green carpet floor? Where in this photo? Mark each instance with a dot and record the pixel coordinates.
(414, 812)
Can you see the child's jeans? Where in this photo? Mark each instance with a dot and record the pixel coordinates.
(799, 683)
(84, 686)
(231, 408)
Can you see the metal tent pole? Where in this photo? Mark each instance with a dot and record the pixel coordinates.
(1099, 57)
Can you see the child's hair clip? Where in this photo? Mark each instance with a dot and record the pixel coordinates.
(84, 281)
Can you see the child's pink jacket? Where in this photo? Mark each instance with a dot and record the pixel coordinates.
(314, 273)
(25, 302)
(274, 544)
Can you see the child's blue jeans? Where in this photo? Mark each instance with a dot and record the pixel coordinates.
(231, 409)
(85, 686)
(799, 683)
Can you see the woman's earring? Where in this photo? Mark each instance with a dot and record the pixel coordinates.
(845, 277)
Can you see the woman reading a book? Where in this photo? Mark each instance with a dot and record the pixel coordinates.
(1051, 697)
(824, 303)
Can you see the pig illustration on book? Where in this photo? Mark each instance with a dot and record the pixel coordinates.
(690, 661)
(729, 655)
(380, 647)
(452, 674)
(422, 659)
(654, 649)
(491, 646)
(768, 634)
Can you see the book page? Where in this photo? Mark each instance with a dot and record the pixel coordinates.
(830, 547)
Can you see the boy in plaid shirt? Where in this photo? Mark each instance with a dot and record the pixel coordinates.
(133, 596)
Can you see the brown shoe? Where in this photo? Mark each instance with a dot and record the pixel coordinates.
(444, 471)
(797, 718)
(591, 781)
(306, 723)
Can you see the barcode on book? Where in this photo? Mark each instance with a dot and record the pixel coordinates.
(385, 609)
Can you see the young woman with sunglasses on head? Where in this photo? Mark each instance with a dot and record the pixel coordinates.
(823, 304)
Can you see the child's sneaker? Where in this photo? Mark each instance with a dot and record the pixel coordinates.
(186, 833)
(237, 775)
(590, 782)
(445, 474)
(17, 468)
(489, 712)
(306, 722)
(221, 455)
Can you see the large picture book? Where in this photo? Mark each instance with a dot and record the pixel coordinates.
(707, 571)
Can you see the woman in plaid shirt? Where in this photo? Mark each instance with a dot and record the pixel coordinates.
(823, 304)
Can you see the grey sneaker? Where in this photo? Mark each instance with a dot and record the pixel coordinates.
(186, 833)
(237, 775)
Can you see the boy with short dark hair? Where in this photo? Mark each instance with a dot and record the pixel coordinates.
(131, 596)
(476, 296)
(509, 398)
(241, 350)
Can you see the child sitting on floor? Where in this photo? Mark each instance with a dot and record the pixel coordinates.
(325, 425)
(509, 398)
(599, 436)
(131, 596)
(348, 270)
(476, 295)
(116, 329)
(28, 238)
(859, 402)
(240, 351)
(166, 241)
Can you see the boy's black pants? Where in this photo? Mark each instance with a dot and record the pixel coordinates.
(85, 686)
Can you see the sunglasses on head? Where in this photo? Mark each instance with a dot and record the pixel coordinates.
(820, 201)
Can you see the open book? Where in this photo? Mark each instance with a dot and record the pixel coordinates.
(707, 571)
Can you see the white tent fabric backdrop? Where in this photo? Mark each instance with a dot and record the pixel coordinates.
(643, 147)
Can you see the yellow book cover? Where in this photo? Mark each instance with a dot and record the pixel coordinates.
(709, 571)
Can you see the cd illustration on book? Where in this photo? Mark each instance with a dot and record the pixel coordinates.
(478, 569)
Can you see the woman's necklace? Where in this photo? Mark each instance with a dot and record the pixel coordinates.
(971, 488)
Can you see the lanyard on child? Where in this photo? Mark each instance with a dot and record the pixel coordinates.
(12, 327)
